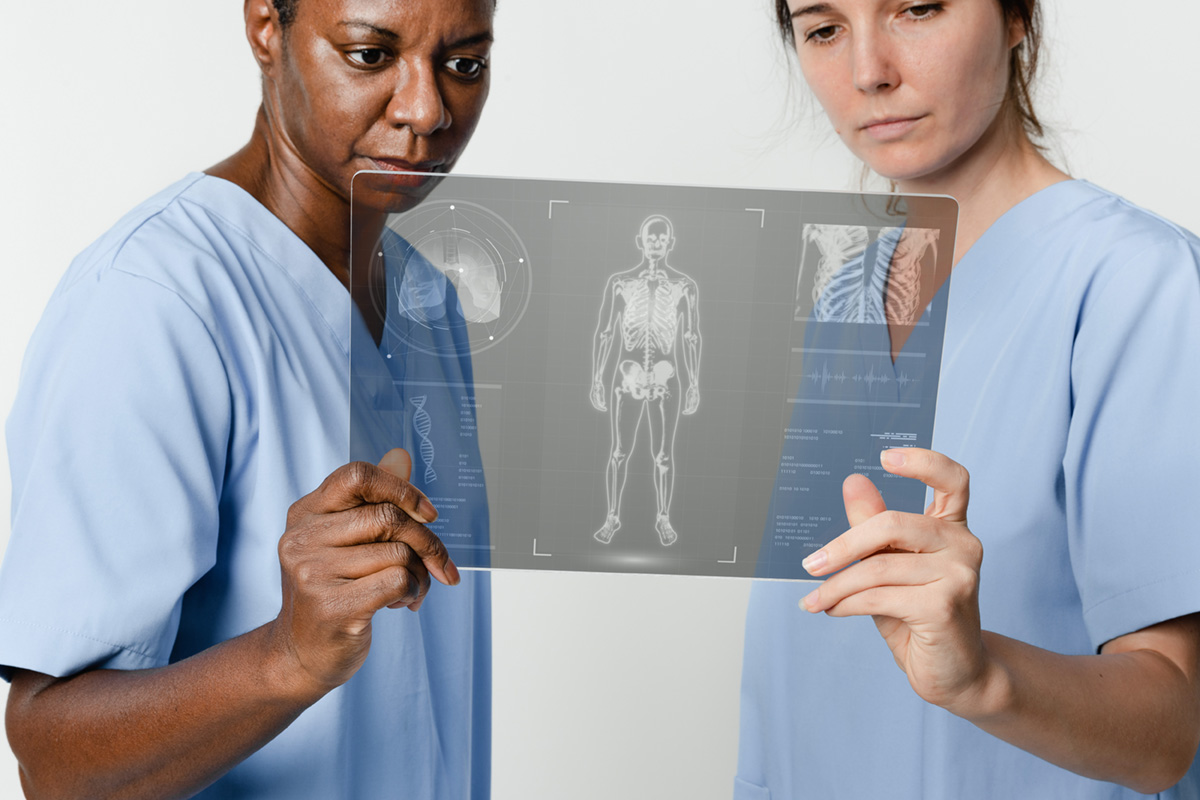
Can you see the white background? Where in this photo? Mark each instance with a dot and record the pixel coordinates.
(605, 686)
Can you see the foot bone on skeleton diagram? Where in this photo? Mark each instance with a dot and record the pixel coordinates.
(645, 367)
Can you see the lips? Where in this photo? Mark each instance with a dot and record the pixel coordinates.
(407, 173)
(400, 165)
(888, 128)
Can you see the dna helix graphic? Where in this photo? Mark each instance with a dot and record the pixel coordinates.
(422, 425)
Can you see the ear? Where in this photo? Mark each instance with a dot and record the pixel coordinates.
(264, 33)
(1016, 32)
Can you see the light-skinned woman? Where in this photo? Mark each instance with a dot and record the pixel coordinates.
(1046, 633)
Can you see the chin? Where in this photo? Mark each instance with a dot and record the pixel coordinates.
(904, 167)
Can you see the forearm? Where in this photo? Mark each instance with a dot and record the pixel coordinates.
(1126, 717)
(158, 733)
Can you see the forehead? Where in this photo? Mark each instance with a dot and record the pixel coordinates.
(656, 226)
(408, 18)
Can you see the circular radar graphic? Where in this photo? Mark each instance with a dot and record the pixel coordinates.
(453, 264)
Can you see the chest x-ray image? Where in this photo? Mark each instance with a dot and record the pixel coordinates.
(646, 367)
(539, 348)
(856, 273)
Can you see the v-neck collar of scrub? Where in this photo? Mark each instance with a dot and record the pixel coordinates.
(279, 243)
(1042, 209)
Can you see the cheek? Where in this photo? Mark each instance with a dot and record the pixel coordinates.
(833, 90)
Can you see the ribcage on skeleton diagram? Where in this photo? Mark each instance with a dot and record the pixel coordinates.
(651, 318)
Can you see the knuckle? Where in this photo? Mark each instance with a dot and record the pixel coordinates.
(968, 579)
(290, 548)
(961, 476)
(388, 517)
(401, 553)
(437, 548)
(877, 566)
(357, 473)
(296, 512)
(891, 520)
(402, 583)
(974, 550)
(305, 573)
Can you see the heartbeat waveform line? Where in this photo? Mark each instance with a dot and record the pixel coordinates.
(823, 376)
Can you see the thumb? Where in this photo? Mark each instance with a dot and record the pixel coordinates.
(398, 462)
(862, 499)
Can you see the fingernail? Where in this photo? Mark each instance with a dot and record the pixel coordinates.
(809, 603)
(892, 458)
(815, 561)
(426, 510)
(452, 573)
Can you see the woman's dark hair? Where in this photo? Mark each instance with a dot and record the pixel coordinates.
(1022, 65)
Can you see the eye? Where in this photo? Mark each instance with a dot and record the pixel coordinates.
(368, 57)
(466, 68)
(823, 35)
(923, 10)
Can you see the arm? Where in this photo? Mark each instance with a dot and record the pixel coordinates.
(602, 343)
(352, 547)
(691, 345)
(1130, 714)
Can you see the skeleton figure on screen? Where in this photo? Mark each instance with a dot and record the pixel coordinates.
(648, 334)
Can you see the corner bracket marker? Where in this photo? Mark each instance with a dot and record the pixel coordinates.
(733, 560)
(550, 211)
(762, 219)
(547, 555)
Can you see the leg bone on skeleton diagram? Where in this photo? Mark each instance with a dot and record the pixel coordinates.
(652, 311)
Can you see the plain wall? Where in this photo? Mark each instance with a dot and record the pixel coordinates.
(605, 685)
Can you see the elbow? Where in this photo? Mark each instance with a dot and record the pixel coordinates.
(1169, 766)
(32, 741)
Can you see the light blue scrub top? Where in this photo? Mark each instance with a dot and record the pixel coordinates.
(187, 383)
(1071, 392)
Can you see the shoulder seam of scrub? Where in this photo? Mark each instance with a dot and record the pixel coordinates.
(1137, 259)
(76, 634)
(212, 338)
(1146, 214)
(104, 260)
(257, 247)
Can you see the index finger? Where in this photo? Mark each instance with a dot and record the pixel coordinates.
(428, 547)
(360, 483)
(886, 532)
(950, 481)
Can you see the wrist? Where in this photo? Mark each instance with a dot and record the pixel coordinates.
(283, 670)
(992, 694)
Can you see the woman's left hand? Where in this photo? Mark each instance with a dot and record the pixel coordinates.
(916, 575)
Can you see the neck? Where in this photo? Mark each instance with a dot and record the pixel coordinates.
(1005, 169)
(275, 176)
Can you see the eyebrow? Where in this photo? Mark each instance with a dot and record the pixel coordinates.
(392, 36)
(358, 23)
(815, 8)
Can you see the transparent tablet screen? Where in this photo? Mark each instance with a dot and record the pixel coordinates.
(643, 378)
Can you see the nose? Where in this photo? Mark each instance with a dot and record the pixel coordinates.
(874, 67)
(417, 101)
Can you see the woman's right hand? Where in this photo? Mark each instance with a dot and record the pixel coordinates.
(917, 575)
(353, 546)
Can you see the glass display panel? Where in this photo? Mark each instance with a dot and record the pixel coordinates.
(643, 378)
